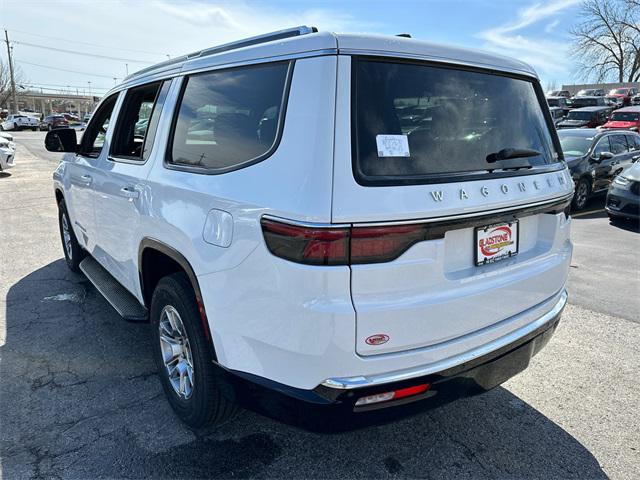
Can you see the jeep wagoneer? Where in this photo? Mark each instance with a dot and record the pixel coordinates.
(323, 223)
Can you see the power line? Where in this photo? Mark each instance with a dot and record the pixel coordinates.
(65, 70)
(74, 52)
(63, 85)
(90, 44)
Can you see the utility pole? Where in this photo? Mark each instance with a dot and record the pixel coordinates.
(13, 80)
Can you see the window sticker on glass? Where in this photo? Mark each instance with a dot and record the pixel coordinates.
(392, 145)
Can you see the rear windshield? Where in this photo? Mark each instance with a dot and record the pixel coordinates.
(573, 115)
(584, 102)
(625, 117)
(422, 123)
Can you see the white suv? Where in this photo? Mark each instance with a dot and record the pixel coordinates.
(322, 222)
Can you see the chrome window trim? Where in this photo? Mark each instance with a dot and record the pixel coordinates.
(349, 383)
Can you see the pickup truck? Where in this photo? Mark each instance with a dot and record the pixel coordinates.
(19, 122)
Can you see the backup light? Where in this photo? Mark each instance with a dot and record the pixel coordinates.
(392, 395)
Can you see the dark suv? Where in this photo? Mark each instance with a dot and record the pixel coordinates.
(595, 157)
(589, 117)
(53, 121)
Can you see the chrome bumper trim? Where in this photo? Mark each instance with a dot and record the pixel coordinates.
(348, 383)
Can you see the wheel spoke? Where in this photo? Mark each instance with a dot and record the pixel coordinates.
(176, 352)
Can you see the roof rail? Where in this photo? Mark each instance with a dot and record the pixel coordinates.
(267, 37)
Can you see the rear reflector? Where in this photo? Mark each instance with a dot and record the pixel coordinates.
(342, 245)
(393, 395)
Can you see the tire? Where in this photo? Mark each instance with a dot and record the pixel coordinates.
(201, 402)
(581, 195)
(73, 252)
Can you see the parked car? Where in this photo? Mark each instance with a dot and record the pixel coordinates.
(626, 118)
(623, 197)
(19, 122)
(585, 117)
(86, 118)
(7, 151)
(557, 114)
(308, 262)
(580, 102)
(53, 121)
(595, 157)
(559, 93)
(70, 117)
(560, 102)
(590, 92)
(623, 95)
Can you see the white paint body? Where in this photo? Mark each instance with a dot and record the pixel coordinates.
(16, 122)
(301, 325)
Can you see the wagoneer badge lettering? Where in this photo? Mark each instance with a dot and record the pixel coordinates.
(465, 194)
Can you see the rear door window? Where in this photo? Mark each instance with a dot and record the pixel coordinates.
(417, 122)
(228, 119)
(618, 144)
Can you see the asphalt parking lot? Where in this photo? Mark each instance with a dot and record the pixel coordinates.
(79, 397)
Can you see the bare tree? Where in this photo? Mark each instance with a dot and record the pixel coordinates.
(5, 82)
(606, 42)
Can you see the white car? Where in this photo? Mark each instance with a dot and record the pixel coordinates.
(320, 225)
(7, 151)
(19, 122)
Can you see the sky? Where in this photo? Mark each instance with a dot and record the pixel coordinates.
(85, 44)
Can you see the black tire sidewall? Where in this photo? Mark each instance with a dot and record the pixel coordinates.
(575, 198)
(196, 411)
(77, 251)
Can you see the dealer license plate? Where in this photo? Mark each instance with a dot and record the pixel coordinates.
(496, 242)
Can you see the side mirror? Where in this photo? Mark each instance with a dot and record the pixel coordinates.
(61, 140)
(603, 156)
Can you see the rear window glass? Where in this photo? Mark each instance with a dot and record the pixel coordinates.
(229, 118)
(416, 122)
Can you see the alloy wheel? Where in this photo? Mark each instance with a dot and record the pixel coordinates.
(176, 352)
(66, 235)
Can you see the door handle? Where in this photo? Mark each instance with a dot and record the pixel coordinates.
(130, 192)
(87, 179)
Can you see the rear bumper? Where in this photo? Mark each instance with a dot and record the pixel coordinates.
(331, 406)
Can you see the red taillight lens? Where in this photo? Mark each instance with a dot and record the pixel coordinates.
(314, 246)
(340, 246)
(383, 244)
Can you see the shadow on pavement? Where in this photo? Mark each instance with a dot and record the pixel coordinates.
(80, 398)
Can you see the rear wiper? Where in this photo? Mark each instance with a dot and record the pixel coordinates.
(508, 153)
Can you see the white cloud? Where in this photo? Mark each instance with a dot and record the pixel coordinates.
(548, 56)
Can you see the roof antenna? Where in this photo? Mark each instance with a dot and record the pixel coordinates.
(404, 35)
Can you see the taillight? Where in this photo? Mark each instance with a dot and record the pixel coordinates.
(313, 246)
(340, 245)
(383, 244)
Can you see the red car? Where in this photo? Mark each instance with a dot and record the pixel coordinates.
(623, 95)
(627, 118)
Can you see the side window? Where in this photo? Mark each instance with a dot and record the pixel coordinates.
(634, 142)
(618, 144)
(602, 146)
(93, 138)
(227, 119)
(138, 120)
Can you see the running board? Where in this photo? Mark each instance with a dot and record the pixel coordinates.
(118, 297)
